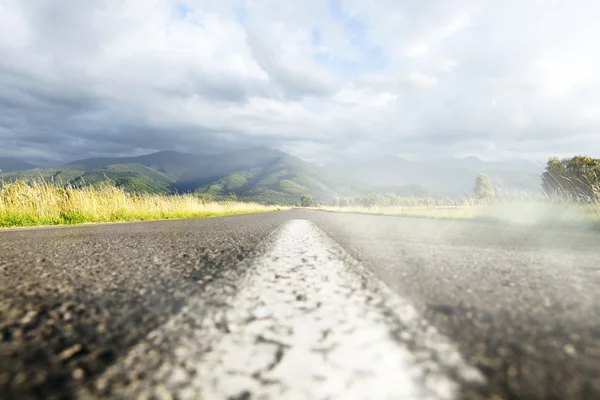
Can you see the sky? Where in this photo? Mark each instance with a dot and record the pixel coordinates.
(321, 79)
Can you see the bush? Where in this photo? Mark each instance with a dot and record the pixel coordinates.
(484, 190)
(307, 201)
(576, 178)
(335, 202)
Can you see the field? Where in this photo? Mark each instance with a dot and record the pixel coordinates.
(526, 212)
(41, 203)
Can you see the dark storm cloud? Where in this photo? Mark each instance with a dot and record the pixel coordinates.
(38, 120)
(218, 87)
(295, 80)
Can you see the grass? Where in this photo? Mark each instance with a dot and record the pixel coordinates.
(446, 212)
(517, 211)
(38, 202)
(41, 203)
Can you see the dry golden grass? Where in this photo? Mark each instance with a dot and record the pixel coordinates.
(515, 211)
(462, 211)
(41, 203)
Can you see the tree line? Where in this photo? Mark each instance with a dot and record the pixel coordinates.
(576, 178)
(377, 200)
(571, 179)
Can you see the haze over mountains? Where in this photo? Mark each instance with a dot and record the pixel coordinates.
(443, 176)
(259, 174)
(272, 176)
(9, 164)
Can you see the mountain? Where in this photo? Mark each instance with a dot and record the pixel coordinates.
(258, 174)
(271, 176)
(187, 170)
(283, 179)
(444, 176)
(10, 164)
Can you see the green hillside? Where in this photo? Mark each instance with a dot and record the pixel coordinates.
(271, 176)
(57, 176)
(283, 180)
(131, 177)
(259, 174)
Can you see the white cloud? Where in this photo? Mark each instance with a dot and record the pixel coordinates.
(90, 78)
(556, 77)
(447, 65)
(417, 50)
(420, 80)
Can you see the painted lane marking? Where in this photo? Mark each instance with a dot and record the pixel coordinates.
(309, 323)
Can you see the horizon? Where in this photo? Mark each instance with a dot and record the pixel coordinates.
(541, 163)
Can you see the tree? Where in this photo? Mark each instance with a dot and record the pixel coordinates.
(576, 178)
(584, 173)
(307, 201)
(554, 178)
(484, 190)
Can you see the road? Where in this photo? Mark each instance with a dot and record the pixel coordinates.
(300, 304)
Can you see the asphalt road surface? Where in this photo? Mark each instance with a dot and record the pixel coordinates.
(300, 305)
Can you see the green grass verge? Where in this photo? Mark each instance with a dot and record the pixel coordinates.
(524, 213)
(39, 203)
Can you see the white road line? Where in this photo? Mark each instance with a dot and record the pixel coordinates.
(310, 323)
(311, 334)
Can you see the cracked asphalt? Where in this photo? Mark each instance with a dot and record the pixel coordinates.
(80, 306)
(305, 323)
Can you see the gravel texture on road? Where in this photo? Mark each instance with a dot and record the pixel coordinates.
(521, 304)
(307, 322)
(73, 299)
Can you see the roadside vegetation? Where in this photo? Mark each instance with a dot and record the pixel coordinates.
(569, 195)
(38, 202)
(258, 175)
(525, 210)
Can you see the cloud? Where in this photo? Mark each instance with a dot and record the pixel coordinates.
(318, 79)
(417, 50)
(420, 80)
(447, 65)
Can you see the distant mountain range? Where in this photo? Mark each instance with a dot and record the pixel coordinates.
(443, 176)
(258, 174)
(271, 176)
(9, 164)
